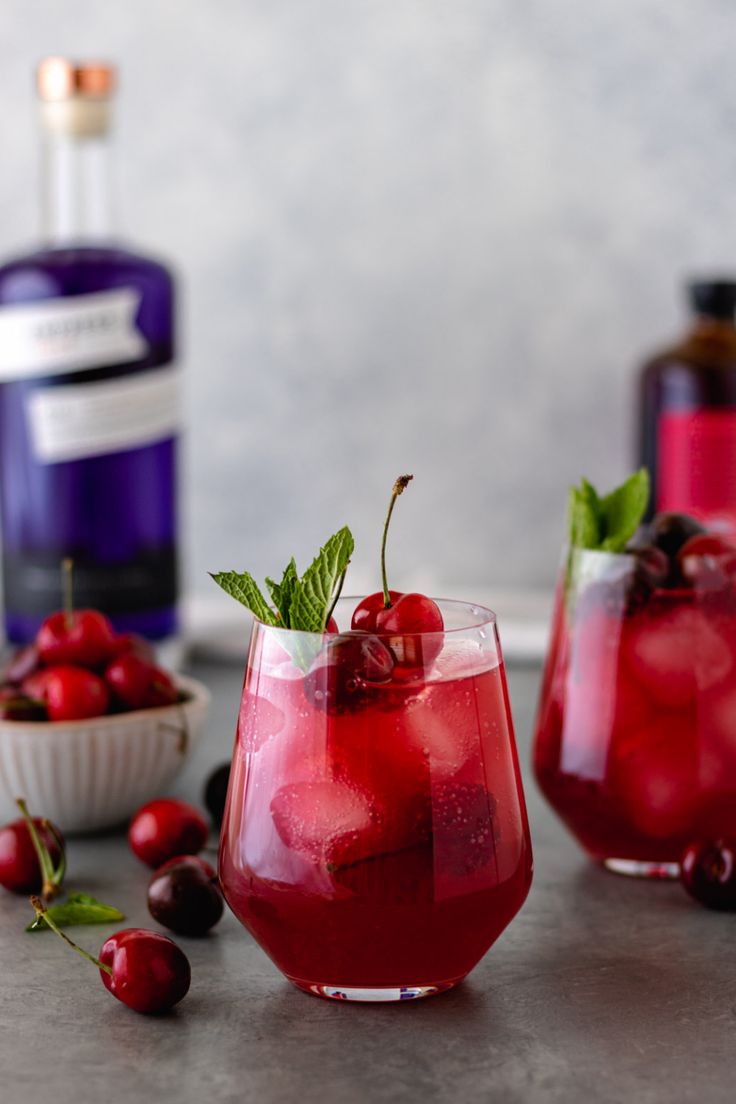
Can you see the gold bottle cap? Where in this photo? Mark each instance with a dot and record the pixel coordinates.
(61, 79)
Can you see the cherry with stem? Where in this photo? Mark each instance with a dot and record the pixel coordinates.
(143, 969)
(51, 876)
(399, 487)
(411, 624)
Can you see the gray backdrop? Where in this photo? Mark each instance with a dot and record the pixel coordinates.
(433, 235)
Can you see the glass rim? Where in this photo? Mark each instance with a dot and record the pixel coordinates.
(483, 618)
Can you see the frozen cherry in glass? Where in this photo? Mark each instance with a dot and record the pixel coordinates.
(20, 869)
(215, 792)
(184, 896)
(137, 684)
(165, 828)
(74, 694)
(708, 873)
(344, 675)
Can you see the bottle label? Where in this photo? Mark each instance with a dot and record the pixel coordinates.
(57, 336)
(696, 465)
(72, 421)
(148, 581)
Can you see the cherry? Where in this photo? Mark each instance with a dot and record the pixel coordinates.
(707, 560)
(34, 685)
(406, 624)
(331, 626)
(143, 969)
(73, 694)
(22, 664)
(31, 855)
(215, 792)
(184, 896)
(403, 618)
(135, 643)
(343, 677)
(670, 531)
(84, 637)
(81, 637)
(165, 828)
(367, 610)
(136, 684)
(147, 971)
(708, 873)
(15, 706)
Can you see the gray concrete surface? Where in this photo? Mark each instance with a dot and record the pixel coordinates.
(602, 990)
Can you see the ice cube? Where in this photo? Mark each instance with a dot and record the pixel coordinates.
(329, 821)
(653, 772)
(675, 652)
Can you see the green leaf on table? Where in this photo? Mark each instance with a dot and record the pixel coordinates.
(283, 592)
(623, 510)
(79, 908)
(313, 594)
(244, 588)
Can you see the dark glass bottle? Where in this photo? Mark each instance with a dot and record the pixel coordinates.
(688, 413)
(88, 391)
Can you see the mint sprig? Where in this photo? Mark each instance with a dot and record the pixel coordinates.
(283, 592)
(608, 523)
(314, 594)
(79, 908)
(304, 604)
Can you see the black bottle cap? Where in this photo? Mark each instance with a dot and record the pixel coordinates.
(713, 298)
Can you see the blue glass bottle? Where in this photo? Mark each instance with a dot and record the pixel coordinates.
(88, 391)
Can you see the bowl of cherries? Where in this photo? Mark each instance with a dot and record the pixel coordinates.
(90, 726)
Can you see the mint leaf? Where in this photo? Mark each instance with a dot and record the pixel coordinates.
(313, 594)
(607, 524)
(79, 908)
(584, 516)
(283, 592)
(623, 510)
(245, 589)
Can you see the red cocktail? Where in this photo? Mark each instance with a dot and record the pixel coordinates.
(375, 839)
(636, 732)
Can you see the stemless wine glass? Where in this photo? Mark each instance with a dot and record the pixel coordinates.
(636, 731)
(375, 839)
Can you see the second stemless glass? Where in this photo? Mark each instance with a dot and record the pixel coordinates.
(635, 744)
(375, 840)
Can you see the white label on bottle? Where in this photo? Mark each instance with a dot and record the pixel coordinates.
(76, 420)
(65, 335)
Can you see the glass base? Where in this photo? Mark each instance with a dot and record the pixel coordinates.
(380, 993)
(633, 868)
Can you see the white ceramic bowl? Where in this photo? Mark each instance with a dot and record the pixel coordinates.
(87, 775)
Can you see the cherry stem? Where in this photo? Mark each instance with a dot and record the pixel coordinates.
(52, 877)
(399, 487)
(338, 592)
(43, 914)
(67, 588)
